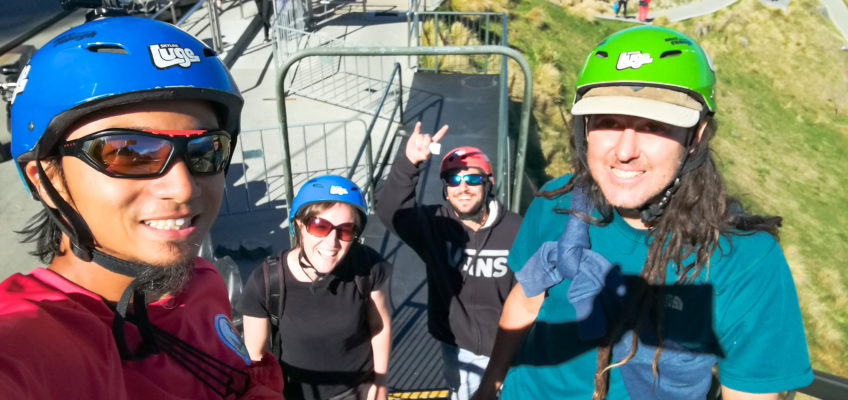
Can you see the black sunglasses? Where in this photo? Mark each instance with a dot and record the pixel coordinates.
(129, 153)
(470, 180)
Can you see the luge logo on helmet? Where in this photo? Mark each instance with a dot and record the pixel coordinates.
(633, 59)
(21, 85)
(338, 190)
(167, 55)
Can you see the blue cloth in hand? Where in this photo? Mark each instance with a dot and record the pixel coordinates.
(571, 257)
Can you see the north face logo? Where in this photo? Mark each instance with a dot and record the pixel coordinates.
(167, 55)
(633, 59)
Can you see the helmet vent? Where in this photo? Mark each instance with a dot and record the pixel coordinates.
(107, 48)
(207, 52)
(670, 53)
(601, 54)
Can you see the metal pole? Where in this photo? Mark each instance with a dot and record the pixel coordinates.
(406, 51)
(503, 122)
(216, 28)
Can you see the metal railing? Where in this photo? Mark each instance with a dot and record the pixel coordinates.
(365, 147)
(521, 146)
(212, 13)
(445, 28)
(170, 6)
(256, 181)
(354, 83)
(486, 28)
(825, 386)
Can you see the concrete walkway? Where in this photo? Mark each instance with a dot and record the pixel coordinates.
(692, 10)
(838, 13)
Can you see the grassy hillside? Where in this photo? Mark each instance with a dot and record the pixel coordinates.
(782, 95)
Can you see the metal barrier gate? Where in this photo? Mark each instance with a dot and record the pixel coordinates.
(500, 168)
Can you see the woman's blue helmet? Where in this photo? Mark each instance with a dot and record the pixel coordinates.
(112, 62)
(328, 188)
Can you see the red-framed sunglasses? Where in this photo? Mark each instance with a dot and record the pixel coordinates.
(320, 227)
(130, 153)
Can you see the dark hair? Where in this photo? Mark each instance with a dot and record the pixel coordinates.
(41, 229)
(310, 210)
(696, 216)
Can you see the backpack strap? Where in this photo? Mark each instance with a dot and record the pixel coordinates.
(275, 293)
(364, 283)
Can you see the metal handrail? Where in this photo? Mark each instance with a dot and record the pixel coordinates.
(502, 167)
(415, 21)
(365, 147)
(417, 51)
(825, 386)
(213, 19)
(189, 12)
(170, 6)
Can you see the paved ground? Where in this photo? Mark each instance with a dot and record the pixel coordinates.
(838, 13)
(16, 207)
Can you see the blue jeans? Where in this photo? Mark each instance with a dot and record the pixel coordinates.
(463, 370)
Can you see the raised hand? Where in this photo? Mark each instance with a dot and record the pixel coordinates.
(418, 144)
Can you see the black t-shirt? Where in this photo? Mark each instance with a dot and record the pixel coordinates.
(324, 329)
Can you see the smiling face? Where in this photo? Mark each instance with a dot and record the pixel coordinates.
(466, 199)
(633, 159)
(325, 253)
(159, 221)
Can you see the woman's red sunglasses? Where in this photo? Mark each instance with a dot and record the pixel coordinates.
(130, 153)
(320, 227)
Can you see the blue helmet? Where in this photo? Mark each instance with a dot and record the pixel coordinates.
(112, 62)
(328, 188)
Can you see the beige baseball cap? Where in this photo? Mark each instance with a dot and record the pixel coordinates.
(663, 105)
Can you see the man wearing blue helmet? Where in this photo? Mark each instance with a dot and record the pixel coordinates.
(322, 304)
(123, 129)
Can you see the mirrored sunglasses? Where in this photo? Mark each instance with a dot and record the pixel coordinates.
(470, 179)
(129, 153)
(320, 227)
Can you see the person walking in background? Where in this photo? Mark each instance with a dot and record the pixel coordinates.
(264, 8)
(621, 7)
(643, 10)
(113, 123)
(322, 304)
(637, 272)
(464, 245)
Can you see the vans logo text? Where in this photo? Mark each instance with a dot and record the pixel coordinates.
(167, 55)
(633, 59)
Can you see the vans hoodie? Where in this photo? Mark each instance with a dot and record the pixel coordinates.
(467, 276)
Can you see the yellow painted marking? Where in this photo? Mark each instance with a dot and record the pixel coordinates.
(420, 394)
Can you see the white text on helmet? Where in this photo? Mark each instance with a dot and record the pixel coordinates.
(633, 59)
(21, 84)
(338, 190)
(166, 55)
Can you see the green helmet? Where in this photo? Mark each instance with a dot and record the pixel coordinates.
(650, 56)
(650, 72)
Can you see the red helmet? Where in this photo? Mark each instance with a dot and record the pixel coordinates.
(466, 157)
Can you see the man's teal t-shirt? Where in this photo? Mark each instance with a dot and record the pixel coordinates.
(748, 321)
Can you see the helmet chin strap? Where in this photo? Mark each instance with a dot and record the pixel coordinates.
(651, 212)
(82, 246)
